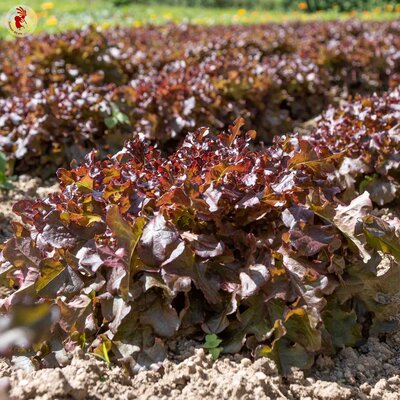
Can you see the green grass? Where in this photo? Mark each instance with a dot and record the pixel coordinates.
(72, 14)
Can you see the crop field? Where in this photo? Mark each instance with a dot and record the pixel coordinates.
(72, 14)
(200, 209)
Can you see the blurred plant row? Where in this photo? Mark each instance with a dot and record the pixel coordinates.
(347, 5)
(57, 16)
(305, 5)
(64, 94)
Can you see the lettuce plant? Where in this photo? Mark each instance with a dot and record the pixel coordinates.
(62, 95)
(217, 239)
(367, 132)
(362, 55)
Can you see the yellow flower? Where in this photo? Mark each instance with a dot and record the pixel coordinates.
(56, 147)
(48, 5)
(303, 6)
(398, 8)
(167, 15)
(389, 7)
(241, 11)
(137, 24)
(52, 21)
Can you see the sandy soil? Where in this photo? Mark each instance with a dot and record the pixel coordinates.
(370, 372)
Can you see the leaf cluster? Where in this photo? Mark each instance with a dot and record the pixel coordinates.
(58, 91)
(253, 246)
(366, 131)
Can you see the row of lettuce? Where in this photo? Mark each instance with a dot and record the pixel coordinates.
(276, 249)
(62, 95)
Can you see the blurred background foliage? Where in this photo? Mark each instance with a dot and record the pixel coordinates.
(304, 5)
(60, 15)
